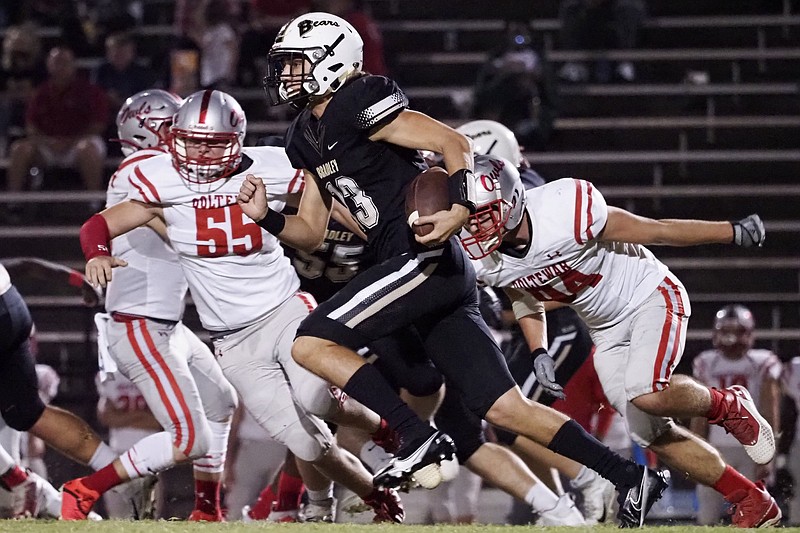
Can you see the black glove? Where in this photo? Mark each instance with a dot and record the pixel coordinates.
(545, 369)
(749, 231)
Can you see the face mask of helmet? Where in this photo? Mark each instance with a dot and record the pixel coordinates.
(312, 57)
(144, 119)
(500, 206)
(733, 329)
(206, 137)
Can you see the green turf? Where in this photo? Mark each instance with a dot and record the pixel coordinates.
(116, 526)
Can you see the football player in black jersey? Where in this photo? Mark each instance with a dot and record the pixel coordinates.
(358, 143)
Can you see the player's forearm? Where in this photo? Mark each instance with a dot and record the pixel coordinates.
(676, 232)
(293, 230)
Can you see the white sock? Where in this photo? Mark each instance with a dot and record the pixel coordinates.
(584, 477)
(373, 456)
(320, 495)
(214, 460)
(150, 455)
(103, 456)
(541, 498)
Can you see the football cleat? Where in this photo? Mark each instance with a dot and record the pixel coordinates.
(387, 506)
(201, 516)
(77, 500)
(754, 508)
(418, 462)
(565, 513)
(741, 419)
(321, 511)
(636, 501)
(597, 497)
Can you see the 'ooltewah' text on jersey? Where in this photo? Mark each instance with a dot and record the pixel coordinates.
(603, 281)
(237, 272)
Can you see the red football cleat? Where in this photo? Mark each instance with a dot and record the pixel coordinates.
(754, 508)
(741, 419)
(77, 500)
(387, 506)
(201, 516)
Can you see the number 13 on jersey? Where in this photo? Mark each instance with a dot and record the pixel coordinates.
(227, 230)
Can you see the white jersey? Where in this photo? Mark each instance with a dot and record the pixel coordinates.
(603, 281)
(5, 280)
(125, 396)
(791, 386)
(153, 284)
(715, 370)
(237, 272)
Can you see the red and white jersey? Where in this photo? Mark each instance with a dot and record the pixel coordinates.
(5, 280)
(603, 281)
(712, 368)
(153, 284)
(124, 395)
(790, 381)
(237, 272)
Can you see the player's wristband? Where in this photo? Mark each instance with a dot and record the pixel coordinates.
(273, 222)
(537, 352)
(95, 237)
(461, 189)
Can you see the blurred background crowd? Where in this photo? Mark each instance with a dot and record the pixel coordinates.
(674, 107)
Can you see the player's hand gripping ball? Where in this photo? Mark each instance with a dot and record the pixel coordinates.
(427, 194)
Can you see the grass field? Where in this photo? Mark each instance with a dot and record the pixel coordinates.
(116, 526)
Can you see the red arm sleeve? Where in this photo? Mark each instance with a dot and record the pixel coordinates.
(95, 237)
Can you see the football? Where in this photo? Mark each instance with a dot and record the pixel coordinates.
(426, 195)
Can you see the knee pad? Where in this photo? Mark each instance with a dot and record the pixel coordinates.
(306, 443)
(317, 397)
(426, 381)
(220, 408)
(466, 434)
(645, 428)
(22, 415)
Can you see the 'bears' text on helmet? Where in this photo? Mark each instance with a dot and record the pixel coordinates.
(500, 202)
(492, 138)
(312, 56)
(207, 135)
(733, 329)
(141, 117)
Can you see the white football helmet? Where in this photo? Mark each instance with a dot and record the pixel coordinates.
(500, 205)
(141, 117)
(733, 329)
(312, 56)
(214, 120)
(492, 138)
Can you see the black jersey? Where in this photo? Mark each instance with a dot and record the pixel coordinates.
(342, 255)
(369, 178)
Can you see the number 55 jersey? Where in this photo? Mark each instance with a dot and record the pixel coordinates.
(603, 281)
(217, 244)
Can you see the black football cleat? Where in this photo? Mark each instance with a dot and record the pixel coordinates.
(635, 502)
(416, 456)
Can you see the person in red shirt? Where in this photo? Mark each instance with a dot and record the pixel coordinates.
(64, 122)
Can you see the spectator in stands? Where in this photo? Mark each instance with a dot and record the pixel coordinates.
(61, 14)
(734, 361)
(264, 19)
(64, 121)
(600, 24)
(516, 88)
(218, 41)
(121, 74)
(355, 12)
(22, 70)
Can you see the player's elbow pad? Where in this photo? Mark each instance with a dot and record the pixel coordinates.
(95, 237)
